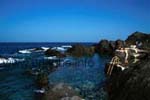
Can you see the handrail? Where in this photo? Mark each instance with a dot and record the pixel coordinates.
(115, 60)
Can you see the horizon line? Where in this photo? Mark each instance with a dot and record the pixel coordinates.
(46, 42)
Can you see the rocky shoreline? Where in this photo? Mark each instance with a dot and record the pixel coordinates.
(134, 82)
(130, 84)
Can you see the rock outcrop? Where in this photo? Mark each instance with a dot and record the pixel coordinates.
(136, 38)
(105, 47)
(80, 51)
(51, 52)
(139, 38)
(130, 84)
(133, 83)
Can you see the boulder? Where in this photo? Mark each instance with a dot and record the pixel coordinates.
(61, 91)
(51, 52)
(80, 51)
(104, 47)
(38, 49)
(72, 98)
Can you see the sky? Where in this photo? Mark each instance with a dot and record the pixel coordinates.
(72, 20)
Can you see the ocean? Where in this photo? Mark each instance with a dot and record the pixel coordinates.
(16, 85)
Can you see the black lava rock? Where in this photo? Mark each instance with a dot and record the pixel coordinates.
(80, 51)
(104, 47)
(130, 84)
(51, 52)
(139, 37)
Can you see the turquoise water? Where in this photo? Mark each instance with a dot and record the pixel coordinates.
(15, 85)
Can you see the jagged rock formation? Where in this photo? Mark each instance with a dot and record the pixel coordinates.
(134, 82)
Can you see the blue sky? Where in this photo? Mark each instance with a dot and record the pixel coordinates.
(72, 20)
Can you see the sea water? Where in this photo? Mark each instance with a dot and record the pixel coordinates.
(86, 74)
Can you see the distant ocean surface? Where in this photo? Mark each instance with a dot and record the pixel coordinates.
(14, 47)
(15, 85)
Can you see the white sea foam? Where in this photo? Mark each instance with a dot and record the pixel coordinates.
(27, 51)
(62, 48)
(9, 60)
(24, 51)
(66, 46)
(40, 91)
(45, 48)
(50, 58)
(54, 64)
